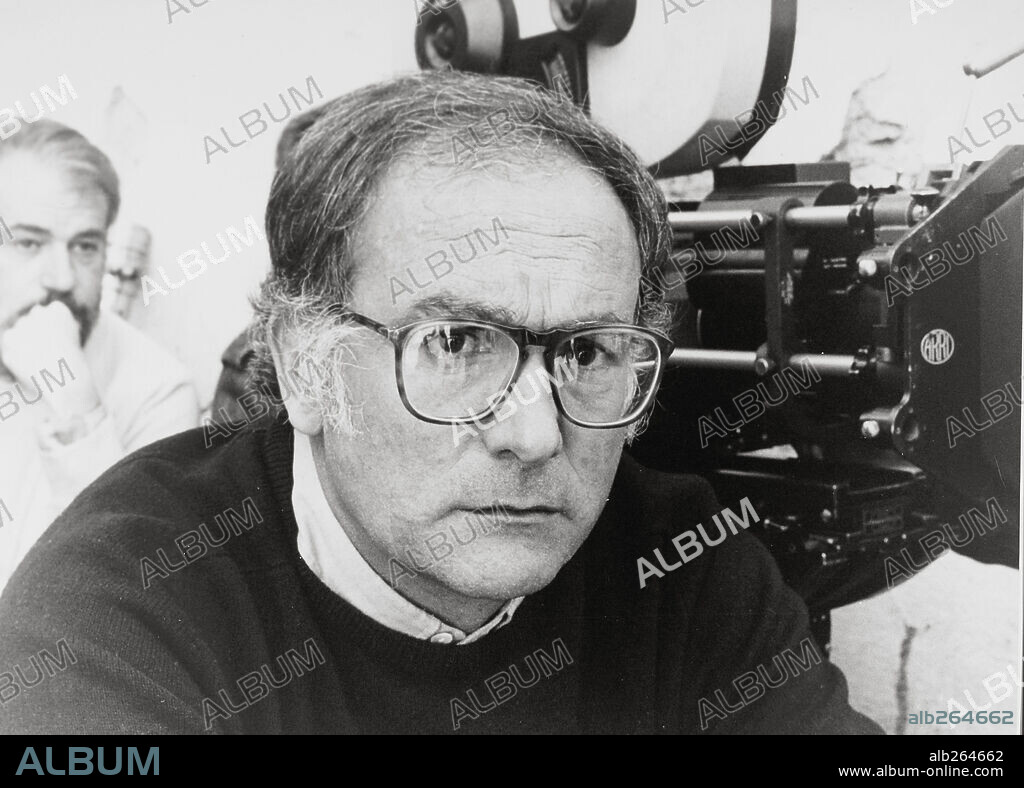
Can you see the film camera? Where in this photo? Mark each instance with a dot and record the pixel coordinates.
(848, 356)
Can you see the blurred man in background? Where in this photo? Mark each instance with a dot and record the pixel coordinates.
(79, 388)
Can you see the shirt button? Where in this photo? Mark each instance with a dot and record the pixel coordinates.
(442, 637)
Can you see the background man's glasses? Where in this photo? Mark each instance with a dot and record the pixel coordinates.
(452, 371)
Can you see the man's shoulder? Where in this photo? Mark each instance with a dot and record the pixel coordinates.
(660, 505)
(189, 466)
(154, 495)
(149, 392)
(674, 534)
(695, 573)
(661, 499)
(149, 575)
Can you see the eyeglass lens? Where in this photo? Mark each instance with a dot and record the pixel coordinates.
(454, 370)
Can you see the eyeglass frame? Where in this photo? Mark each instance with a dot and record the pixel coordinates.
(523, 338)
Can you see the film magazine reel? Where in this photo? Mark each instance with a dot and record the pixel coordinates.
(659, 76)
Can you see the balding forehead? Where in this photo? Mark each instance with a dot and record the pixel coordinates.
(552, 245)
(435, 194)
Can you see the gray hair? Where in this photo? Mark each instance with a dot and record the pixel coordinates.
(324, 187)
(293, 131)
(86, 163)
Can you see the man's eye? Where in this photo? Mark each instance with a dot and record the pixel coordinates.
(452, 341)
(586, 352)
(28, 244)
(85, 247)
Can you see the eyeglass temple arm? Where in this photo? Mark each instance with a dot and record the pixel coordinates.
(363, 320)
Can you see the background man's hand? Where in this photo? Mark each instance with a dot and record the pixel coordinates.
(38, 341)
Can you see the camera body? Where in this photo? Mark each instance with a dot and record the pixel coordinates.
(847, 358)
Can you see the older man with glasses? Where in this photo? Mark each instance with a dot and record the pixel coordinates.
(250, 587)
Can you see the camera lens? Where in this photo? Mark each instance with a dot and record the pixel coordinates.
(572, 10)
(442, 39)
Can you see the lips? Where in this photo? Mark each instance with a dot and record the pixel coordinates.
(514, 513)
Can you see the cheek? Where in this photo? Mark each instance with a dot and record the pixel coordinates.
(392, 471)
(402, 449)
(89, 282)
(8, 283)
(19, 283)
(594, 454)
(594, 448)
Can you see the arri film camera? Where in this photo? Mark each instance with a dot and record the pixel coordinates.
(848, 355)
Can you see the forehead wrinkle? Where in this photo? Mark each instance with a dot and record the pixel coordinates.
(539, 238)
(536, 245)
(540, 255)
(577, 302)
(548, 225)
(604, 272)
(567, 246)
(502, 161)
(579, 283)
(450, 305)
(580, 300)
(512, 166)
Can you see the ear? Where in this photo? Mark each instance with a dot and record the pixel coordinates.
(303, 409)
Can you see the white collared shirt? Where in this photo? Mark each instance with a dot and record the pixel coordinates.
(327, 550)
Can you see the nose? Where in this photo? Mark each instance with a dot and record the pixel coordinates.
(58, 273)
(527, 424)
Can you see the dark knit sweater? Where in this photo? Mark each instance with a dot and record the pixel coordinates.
(592, 652)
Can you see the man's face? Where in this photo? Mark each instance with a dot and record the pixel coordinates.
(570, 257)
(58, 251)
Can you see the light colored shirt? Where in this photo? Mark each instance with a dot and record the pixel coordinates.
(330, 554)
(146, 395)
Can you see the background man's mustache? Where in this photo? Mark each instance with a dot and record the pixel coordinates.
(82, 315)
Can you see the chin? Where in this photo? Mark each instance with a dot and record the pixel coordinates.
(498, 589)
(503, 579)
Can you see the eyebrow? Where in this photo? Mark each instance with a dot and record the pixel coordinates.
(85, 235)
(31, 228)
(454, 306)
(90, 235)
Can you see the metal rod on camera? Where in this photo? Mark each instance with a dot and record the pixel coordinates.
(900, 210)
(817, 216)
(737, 360)
(742, 259)
(825, 364)
(809, 216)
(707, 221)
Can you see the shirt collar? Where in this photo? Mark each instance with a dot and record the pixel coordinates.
(330, 554)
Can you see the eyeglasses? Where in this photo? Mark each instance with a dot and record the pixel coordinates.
(452, 371)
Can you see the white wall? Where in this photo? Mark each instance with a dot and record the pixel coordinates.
(909, 71)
